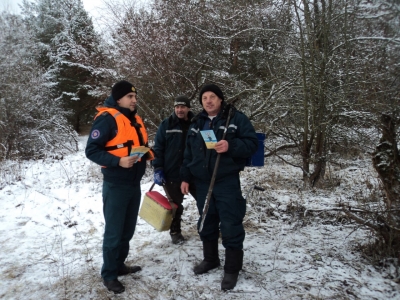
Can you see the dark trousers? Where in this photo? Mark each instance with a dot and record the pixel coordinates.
(226, 212)
(120, 208)
(174, 190)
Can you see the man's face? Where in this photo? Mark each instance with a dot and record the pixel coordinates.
(211, 103)
(182, 111)
(128, 101)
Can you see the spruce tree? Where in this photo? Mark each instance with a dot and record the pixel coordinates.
(70, 52)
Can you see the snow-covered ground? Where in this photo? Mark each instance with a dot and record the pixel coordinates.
(298, 245)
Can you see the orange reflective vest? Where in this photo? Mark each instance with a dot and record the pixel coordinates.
(127, 137)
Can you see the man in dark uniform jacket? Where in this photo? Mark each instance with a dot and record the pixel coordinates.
(227, 206)
(168, 149)
(115, 131)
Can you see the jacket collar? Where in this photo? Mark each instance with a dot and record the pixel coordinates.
(223, 113)
(110, 102)
(173, 119)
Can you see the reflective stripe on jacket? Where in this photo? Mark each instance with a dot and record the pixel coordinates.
(169, 145)
(199, 161)
(127, 135)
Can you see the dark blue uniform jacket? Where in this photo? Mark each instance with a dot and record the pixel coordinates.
(199, 161)
(169, 147)
(104, 129)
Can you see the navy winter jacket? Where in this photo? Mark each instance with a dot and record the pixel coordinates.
(199, 161)
(169, 146)
(104, 129)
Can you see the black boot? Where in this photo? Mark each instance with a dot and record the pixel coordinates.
(114, 286)
(125, 270)
(211, 258)
(233, 264)
(175, 232)
(177, 238)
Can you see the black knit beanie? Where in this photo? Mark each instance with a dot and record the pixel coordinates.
(121, 88)
(211, 88)
(182, 100)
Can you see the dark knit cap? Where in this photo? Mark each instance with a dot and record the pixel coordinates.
(211, 88)
(122, 88)
(182, 100)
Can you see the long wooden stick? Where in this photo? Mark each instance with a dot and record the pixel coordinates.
(210, 189)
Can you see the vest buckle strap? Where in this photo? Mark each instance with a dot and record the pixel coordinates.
(119, 146)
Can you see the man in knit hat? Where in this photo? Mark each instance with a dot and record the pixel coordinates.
(169, 145)
(115, 131)
(227, 206)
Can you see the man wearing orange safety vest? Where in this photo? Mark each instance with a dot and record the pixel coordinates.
(116, 130)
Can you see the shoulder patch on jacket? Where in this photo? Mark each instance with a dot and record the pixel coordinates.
(95, 134)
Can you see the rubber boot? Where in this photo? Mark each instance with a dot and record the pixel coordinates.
(211, 258)
(233, 264)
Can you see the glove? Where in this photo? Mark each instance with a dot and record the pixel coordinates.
(159, 177)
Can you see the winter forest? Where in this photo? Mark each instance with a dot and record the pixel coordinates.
(321, 79)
